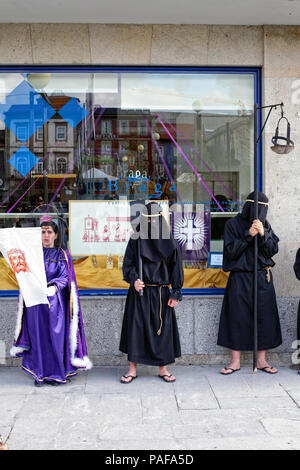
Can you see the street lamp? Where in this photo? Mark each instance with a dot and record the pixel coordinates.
(279, 149)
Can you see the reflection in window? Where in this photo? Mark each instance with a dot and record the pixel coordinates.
(22, 165)
(123, 127)
(61, 165)
(22, 132)
(106, 127)
(60, 133)
(182, 137)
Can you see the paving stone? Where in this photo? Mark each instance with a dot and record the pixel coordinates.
(37, 425)
(39, 405)
(24, 442)
(80, 432)
(160, 409)
(295, 396)
(10, 406)
(117, 409)
(130, 432)
(15, 382)
(201, 410)
(230, 386)
(220, 423)
(282, 427)
(251, 442)
(199, 416)
(201, 400)
(155, 444)
(280, 413)
(81, 405)
(266, 386)
(5, 432)
(265, 403)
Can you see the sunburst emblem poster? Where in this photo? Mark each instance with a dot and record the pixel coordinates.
(192, 232)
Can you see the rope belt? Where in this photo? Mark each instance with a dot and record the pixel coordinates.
(160, 303)
(268, 275)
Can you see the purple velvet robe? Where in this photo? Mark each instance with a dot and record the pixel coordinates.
(51, 340)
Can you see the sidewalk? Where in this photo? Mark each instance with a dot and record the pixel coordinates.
(201, 410)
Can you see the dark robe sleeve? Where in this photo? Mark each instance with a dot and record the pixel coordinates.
(130, 274)
(297, 265)
(234, 245)
(176, 274)
(268, 244)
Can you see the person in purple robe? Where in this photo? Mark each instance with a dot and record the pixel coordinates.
(51, 338)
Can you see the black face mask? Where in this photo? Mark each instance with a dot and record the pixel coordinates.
(156, 241)
(248, 208)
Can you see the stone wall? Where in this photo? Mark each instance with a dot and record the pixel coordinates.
(198, 319)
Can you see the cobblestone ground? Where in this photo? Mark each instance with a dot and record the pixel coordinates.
(201, 410)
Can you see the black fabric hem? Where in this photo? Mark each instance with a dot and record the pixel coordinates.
(249, 348)
(149, 362)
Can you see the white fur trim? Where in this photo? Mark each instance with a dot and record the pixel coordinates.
(74, 321)
(15, 350)
(19, 317)
(85, 363)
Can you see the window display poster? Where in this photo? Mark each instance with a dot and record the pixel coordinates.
(192, 232)
(103, 227)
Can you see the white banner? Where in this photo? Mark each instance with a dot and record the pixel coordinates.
(22, 249)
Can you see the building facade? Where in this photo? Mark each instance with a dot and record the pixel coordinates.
(251, 63)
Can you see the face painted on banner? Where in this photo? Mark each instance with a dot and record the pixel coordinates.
(18, 261)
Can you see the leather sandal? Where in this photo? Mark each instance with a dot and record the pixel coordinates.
(163, 377)
(264, 369)
(132, 377)
(229, 373)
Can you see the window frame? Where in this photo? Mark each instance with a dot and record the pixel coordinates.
(65, 127)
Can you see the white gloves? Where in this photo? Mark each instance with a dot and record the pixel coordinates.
(51, 290)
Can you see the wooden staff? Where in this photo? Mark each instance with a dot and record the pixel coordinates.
(255, 348)
(140, 270)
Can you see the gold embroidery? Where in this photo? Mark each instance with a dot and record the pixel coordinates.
(70, 374)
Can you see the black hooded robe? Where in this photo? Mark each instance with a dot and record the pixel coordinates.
(297, 272)
(141, 322)
(236, 328)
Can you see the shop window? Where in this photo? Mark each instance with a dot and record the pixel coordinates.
(183, 137)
